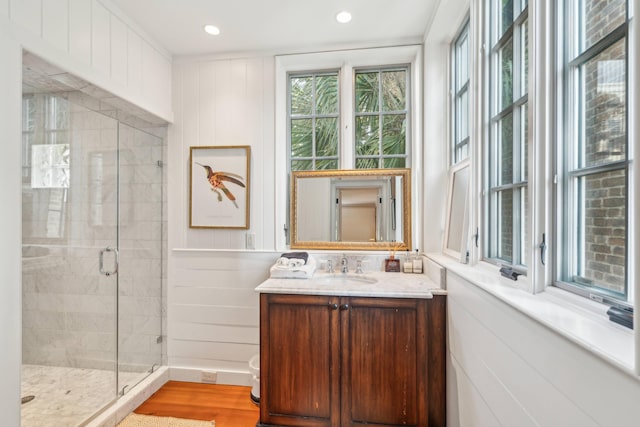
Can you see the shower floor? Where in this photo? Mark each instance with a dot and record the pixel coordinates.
(66, 397)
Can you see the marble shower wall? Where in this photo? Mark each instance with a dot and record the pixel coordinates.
(69, 308)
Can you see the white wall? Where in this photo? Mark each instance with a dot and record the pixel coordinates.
(10, 226)
(94, 40)
(213, 312)
(217, 103)
(61, 32)
(450, 15)
(506, 369)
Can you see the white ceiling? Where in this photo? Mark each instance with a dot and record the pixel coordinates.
(278, 26)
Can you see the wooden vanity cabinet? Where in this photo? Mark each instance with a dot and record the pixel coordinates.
(351, 361)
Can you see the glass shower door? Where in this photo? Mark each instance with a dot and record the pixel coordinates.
(70, 261)
(140, 242)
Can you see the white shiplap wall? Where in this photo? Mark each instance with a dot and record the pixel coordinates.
(94, 40)
(509, 370)
(213, 312)
(218, 103)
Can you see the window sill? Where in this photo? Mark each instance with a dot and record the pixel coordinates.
(580, 320)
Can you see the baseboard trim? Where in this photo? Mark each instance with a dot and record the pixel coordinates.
(194, 375)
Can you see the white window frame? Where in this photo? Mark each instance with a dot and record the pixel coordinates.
(566, 80)
(492, 135)
(347, 61)
(457, 144)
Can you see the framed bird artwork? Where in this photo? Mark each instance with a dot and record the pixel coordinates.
(219, 186)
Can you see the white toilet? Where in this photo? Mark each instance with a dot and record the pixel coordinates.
(254, 369)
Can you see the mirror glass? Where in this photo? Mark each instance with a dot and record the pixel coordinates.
(351, 209)
(456, 233)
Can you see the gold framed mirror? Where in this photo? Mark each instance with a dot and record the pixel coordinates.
(365, 209)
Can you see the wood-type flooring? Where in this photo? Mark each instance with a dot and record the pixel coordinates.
(228, 405)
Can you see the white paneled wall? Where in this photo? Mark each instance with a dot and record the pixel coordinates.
(100, 37)
(508, 370)
(80, 30)
(27, 14)
(119, 54)
(213, 312)
(97, 42)
(218, 103)
(134, 61)
(55, 23)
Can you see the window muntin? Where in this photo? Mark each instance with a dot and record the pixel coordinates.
(314, 121)
(460, 88)
(381, 114)
(593, 214)
(507, 171)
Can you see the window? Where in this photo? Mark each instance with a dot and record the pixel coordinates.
(381, 113)
(380, 116)
(314, 121)
(594, 162)
(506, 167)
(460, 92)
(45, 141)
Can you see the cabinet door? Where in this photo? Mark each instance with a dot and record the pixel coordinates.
(384, 362)
(299, 356)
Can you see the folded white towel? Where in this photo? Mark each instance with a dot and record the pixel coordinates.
(290, 262)
(293, 268)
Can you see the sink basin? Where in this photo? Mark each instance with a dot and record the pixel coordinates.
(344, 279)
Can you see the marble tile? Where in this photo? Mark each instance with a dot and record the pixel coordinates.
(392, 285)
(67, 397)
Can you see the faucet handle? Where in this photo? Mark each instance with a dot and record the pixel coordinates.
(344, 263)
(330, 266)
(359, 267)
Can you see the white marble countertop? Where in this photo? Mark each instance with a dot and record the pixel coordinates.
(369, 284)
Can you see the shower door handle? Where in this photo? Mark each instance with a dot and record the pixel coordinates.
(117, 261)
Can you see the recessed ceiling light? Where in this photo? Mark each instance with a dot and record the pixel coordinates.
(343, 17)
(212, 29)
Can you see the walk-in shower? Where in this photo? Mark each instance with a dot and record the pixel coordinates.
(92, 208)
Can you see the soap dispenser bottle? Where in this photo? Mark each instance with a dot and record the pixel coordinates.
(407, 265)
(417, 263)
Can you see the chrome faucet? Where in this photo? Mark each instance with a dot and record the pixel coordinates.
(344, 264)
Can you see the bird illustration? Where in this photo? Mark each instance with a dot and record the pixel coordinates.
(216, 181)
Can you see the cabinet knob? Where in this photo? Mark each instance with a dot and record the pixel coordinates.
(333, 306)
(344, 307)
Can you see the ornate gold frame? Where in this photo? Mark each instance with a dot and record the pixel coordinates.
(374, 246)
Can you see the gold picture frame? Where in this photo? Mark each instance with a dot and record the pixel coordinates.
(219, 178)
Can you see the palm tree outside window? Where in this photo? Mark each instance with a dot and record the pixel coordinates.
(314, 121)
(380, 114)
